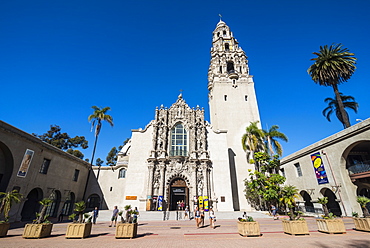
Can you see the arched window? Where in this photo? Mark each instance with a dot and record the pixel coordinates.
(179, 141)
(53, 207)
(224, 33)
(122, 173)
(230, 67)
(227, 47)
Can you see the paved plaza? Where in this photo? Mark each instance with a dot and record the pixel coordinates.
(183, 233)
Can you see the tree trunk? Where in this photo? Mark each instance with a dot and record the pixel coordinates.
(326, 211)
(342, 111)
(366, 212)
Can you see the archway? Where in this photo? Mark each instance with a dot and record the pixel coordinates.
(307, 202)
(32, 205)
(178, 192)
(333, 205)
(6, 166)
(69, 204)
(52, 209)
(93, 201)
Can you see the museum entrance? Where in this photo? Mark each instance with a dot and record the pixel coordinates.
(179, 194)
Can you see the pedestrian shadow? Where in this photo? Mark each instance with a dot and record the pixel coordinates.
(142, 224)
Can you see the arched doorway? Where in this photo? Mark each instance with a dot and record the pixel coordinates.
(52, 209)
(32, 205)
(333, 205)
(178, 192)
(93, 201)
(6, 166)
(365, 192)
(69, 204)
(307, 202)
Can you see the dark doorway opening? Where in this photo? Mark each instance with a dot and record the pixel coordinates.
(178, 193)
(32, 205)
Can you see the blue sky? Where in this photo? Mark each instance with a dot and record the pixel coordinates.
(59, 58)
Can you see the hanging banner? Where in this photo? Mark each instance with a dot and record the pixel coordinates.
(200, 201)
(319, 168)
(205, 203)
(160, 203)
(27, 158)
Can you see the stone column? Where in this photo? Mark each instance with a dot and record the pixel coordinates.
(162, 181)
(150, 179)
(206, 181)
(193, 182)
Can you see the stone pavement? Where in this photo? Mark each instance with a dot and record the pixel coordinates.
(183, 233)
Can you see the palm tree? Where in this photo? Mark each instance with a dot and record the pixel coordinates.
(333, 65)
(96, 120)
(288, 195)
(333, 107)
(271, 142)
(363, 201)
(324, 201)
(42, 216)
(252, 140)
(7, 201)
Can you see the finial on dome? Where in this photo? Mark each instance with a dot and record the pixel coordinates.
(220, 17)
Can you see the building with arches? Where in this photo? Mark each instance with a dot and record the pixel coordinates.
(337, 167)
(180, 157)
(39, 170)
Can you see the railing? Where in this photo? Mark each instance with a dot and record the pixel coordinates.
(359, 168)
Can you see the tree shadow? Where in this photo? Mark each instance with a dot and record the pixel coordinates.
(97, 235)
(143, 235)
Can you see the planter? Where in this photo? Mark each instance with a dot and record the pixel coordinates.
(126, 230)
(331, 226)
(78, 230)
(36, 231)
(295, 227)
(249, 229)
(4, 227)
(362, 224)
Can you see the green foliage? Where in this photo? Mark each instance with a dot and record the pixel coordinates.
(63, 141)
(7, 201)
(288, 195)
(80, 208)
(323, 201)
(112, 157)
(355, 214)
(99, 162)
(262, 189)
(333, 107)
(363, 201)
(72, 217)
(271, 140)
(127, 207)
(42, 217)
(329, 217)
(98, 117)
(333, 66)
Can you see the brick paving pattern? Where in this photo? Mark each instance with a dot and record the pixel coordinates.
(184, 233)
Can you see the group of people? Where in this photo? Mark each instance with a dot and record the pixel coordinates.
(199, 216)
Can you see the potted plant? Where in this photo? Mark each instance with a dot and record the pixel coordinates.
(295, 225)
(41, 227)
(7, 201)
(80, 228)
(363, 224)
(127, 228)
(329, 224)
(247, 227)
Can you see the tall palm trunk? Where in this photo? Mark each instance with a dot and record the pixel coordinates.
(342, 111)
(91, 164)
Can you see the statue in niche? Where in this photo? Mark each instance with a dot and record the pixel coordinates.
(157, 176)
(160, 141)
(200, 182)
(179, 112)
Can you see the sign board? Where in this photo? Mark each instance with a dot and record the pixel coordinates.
(319, 168)
(26, 161)
(131, 197)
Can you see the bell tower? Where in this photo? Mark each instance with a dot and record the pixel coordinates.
(233, 103)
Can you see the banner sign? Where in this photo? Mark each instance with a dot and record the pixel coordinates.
(319, 168)
(200, 201)
(160, 202)
(131, 197)
(27, 158)
(205, 203)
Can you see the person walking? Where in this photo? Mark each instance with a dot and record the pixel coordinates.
(95, 214)
(202, 217)
(186, 214)
(212, 218)
(114, 216)
(197, 216)
(274, 211)
(61, 215)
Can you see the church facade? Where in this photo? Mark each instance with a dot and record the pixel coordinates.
(179, 156)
